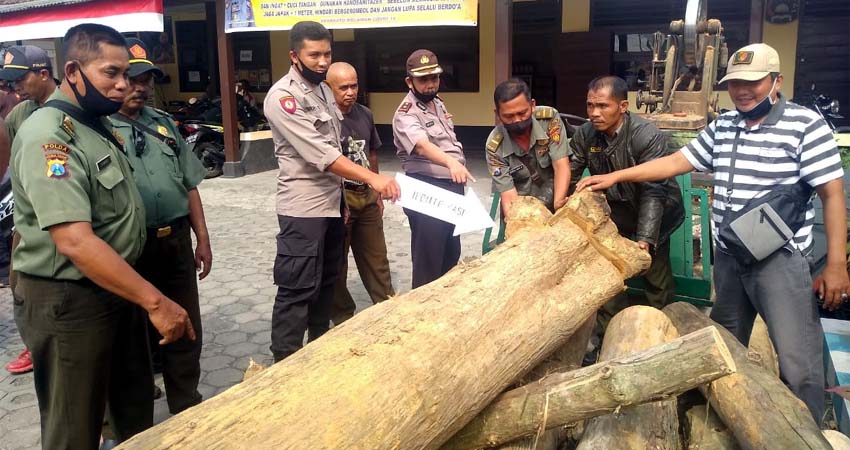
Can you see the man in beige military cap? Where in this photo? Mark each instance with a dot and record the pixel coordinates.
(766, 145)
(425, 141)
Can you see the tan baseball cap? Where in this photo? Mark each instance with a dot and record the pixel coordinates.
(422, 63)
(752, 63)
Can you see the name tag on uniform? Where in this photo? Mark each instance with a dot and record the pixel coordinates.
(309, 108)
(104, 162)
(514, 170)
(429, 124)
(595, 149)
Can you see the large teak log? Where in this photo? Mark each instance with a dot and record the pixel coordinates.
(653, 426)
(409, 373)
(760, 410)
(566, 358)
(705, 431)
(761, 347)
(654, 374)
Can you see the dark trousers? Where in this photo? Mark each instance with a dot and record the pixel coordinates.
(89, 350)
(364, 235)
(659, 288)
(433, 249)
(779, 288)
(309, 257)
(168, 263)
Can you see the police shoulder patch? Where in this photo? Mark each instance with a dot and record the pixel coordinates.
(56, 156)
(555, 131)
(287, 102)
(405, 107)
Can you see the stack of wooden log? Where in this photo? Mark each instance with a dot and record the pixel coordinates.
(489, 356)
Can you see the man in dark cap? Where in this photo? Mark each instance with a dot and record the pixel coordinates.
(167, 175)
(27, 69)
(425, 141)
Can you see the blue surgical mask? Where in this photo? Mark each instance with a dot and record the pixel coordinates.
(762, 108)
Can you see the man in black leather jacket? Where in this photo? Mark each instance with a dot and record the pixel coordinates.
(648, 213)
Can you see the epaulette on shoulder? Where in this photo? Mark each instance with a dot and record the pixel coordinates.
(544, 112)
(494, 142)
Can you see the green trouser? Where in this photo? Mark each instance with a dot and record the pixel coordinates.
(364, 235)
(89, 349)
(168, 262)
(659, 288)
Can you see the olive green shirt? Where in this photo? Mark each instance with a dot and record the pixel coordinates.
(66, 172)
(163, 177)
(536, 176)
(18, 115)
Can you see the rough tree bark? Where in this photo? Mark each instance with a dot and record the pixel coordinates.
(657, 373)
(653, 426)
(707, 432)
(760, 410)
(409, 373)
(761, 347)
(838, 440)
(566, 358)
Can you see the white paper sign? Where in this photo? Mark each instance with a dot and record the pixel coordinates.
(464, 211)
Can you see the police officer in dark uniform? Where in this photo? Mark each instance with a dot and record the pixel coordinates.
(79, 305)
(167, 174)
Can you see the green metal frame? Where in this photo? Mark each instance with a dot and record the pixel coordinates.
(695, 289)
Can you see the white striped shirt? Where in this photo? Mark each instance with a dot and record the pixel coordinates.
(792, 143)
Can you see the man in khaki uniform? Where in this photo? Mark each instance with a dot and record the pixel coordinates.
(365, 225)
(167, 174)
(527, 152)
(305, 127)
(28, 67)
(79, 305)
(425, 141)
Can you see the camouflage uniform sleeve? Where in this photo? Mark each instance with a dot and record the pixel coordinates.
(497, 164)
(54, 176)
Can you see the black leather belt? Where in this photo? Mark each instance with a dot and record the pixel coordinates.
(169, 228)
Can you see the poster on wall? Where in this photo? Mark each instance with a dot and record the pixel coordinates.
(256, 15)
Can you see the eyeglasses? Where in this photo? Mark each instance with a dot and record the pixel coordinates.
(138, 142)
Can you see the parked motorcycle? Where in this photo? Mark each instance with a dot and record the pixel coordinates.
(205, 133)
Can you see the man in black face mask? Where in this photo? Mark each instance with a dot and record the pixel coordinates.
(425, 140)
(80, 306)
(528, 152)
(305, 125)
(767, 143)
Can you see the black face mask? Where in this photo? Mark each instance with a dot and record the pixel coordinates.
(518, 127)
(94, 102)
(424, 98)
(311, 75)
(761, 109)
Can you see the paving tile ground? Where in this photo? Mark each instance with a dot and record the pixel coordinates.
(236, 298)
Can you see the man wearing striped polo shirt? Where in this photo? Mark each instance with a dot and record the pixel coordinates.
(776, 143)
